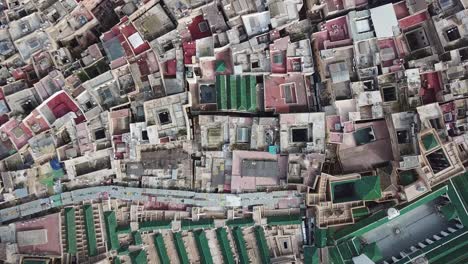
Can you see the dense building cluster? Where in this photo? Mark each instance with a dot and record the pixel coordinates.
(234, 131)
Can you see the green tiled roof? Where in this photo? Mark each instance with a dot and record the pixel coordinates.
(241, 222)
(320, 237)
(240, 245)
(161, 249)
(449, 211)
(407, 177)
(225, 246)
(203, 247)
(311, 255)
(154, 225)
(450, 252)
(233, 96)
(137, 240)
(335, 256)
(262, 245)
(365, 189)
(70, 226)
(236, 92)
(345, 251)
(90, 231)
(138, 257)
(220, 66)
(458, 193)
(360, 212)
(221, 93)
(284, 220)
(429, 141)
(187, 224)
(180, 248)
(111, 225)
(373, 252)
(252, 93)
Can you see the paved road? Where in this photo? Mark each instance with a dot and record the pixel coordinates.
(286, 199)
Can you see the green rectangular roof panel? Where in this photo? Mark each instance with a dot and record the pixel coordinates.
(111, 226)
(70, 225)
(252, 93)
(240, 245)
(458, 193)
(262, 245)
(154, 225)
(138, 257)
(242, 92)
(161, 249)
(180, 248)
(232, 92)
(365, 189)
(221, 93)
(137, 239)
(373, 252)
(202, 223)
(311, 255)
(225, 246)
(320, 237)
(345, 252)
(241, 222)
(203, 247)
(360, 212)
(220, 66)
(429, 141)
(454, 251)
(284, 220)
(90, 230)
(334, 256)
(368, 188)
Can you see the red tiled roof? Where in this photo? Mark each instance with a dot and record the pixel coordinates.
(190, 50)
(413, 20)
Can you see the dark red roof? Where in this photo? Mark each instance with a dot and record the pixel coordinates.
(61, 104)
(194, 28)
